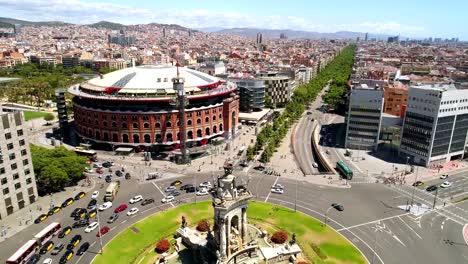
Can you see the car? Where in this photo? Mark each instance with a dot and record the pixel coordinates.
(80, 215)
(54, 210)
(277, 190)
(77, 211)
(202, 192)
(446, 184)
(136, 199)
(83, 248)
(191, 189)
(170, 189)
(47, 261)
(91, 227)
(57, 249)
(113, 218)
(67, 202)
(206, 184)
(92, 204)
(118, 173)
(127, 176)
(93, 159)
(106, 165)
(66, 257)
(92, 213)
(431, 188)
(418, 183)
(338, 206)
(89, 170)
(95, 195)
(443, 176)
(47, 247)
(99, 170)
(81, 223)
(65, 232)
(147, 201)
(133, 211)
(80, 195)
(34, 259)
(315, 165)
(103, 231)
(277, 185)
(168, 199)
(174, 193)
(259, 168)
(108, 178)
(121, 208)
(74, 242)
(185, 186)
(176, 183)
(97, 165)
(105, 206)
(40, 218)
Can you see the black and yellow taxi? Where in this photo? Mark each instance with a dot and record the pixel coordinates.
(80, 195)
(67, 202)
(40, 218)
(80, 214)
(65, 232)
(92, 213)
(54, 210)
(66, 257)
(49, 245)
(75, 241)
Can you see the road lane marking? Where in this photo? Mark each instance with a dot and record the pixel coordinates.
(90, 246)
(164, 195)
(268, 196)
(410, 227)
(371, 222)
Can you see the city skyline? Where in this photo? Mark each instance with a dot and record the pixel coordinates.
(414, 19)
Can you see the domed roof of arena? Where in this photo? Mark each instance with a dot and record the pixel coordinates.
(152, 77)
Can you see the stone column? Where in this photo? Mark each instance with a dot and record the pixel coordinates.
(228, 240)
(244, 225)
(222, 238)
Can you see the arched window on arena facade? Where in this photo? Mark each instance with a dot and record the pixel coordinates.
(199, 133)
(168, 124)
(135, 125)
(169, 137)
(114, 124)
(124, 125)
(190, 134)
(215, 130)
(125, 138)
(198, 121)
(207, 119)
(115, 138)
(189, 122)
(158, 138)
(136, 138)
(147, 138)
(207, 131)
(158, 125)
(146, 125)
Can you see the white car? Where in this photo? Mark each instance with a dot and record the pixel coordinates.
(89, 170)
(91, 227)
(205, 185)
(168, 199)
(444, 176)
(315, 165)
(133, 211)
(277, 186)
(446, 184)
(95, 195)
(105, 206)
(170, 188)
(97, 165)
(277, 190)
(202, 192)
(136, 199)
(47, 261)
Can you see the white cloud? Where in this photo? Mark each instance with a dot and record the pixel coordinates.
(82, 11)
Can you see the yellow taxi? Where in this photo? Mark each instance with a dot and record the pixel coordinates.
(67, 202)
(80, 195)
(54, 210)
(40, 218)
(65, 232)
(92, 213)
(47, 247)
(74, 242)
(81, 215)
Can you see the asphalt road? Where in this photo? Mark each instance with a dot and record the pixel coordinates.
(458, 190)
(303, 146)
(371, 219)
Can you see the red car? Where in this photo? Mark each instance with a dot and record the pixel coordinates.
(99, 170)
(103, 231)
(121, 208)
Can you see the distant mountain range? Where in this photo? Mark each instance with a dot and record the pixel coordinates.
(10, 22)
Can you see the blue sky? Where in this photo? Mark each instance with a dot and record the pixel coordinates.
(413, 18)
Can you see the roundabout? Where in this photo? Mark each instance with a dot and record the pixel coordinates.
(318, 243)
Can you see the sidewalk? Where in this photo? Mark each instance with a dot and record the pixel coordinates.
(21, 219)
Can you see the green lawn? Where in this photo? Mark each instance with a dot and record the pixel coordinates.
(131, 247)
(28, 115)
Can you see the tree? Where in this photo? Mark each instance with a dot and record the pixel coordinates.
(49, 117)
(268, 102)
(162, 246)
(279, 237)
(53, 176)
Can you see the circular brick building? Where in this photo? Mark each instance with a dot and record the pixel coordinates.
(138, 106)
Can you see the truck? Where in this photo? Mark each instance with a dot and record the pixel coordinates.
(153, 175)
(111, 191)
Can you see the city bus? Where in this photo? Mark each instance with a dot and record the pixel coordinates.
(24, 253)
(344, 170)
(111, 191)
(47, 233)
(85, 152)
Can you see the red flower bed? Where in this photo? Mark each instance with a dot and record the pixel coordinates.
(279, 237)
(162, 246)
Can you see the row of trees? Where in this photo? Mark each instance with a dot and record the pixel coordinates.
(338, 71)
(54, 167)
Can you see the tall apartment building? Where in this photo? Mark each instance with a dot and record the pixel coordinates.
(251, 92)
(395, 99)
(17, 181)
(435, 125)
(277, 87)
(364, 117)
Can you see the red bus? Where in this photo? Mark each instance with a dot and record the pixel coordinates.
(47, 233)
(24, 253)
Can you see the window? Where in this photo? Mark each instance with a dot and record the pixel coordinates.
(104, 124)
(17, 185)
(28, 181)
(24, 152)
(198, 121)
(2, 170)
(96, 122)
(21, 142)
(14, 166)
(27, 171)
(15, 176)
(20, 132)
(8, 136)
(6, 191)
(189, 123)
(168, 124)
(4, 181)
(158, 125)
(124, 125)
(25, 162)
(135, 125)
(12, 156)
(146, 125)
(207, 119)
(10, 146)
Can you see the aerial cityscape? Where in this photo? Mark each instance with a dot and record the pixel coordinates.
(140, 132)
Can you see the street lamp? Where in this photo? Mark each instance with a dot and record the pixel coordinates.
(407, 163)
(414, 185)
(295, 200)
(336, 206)
(99, 224)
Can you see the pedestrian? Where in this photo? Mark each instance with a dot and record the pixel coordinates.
(444, 204)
